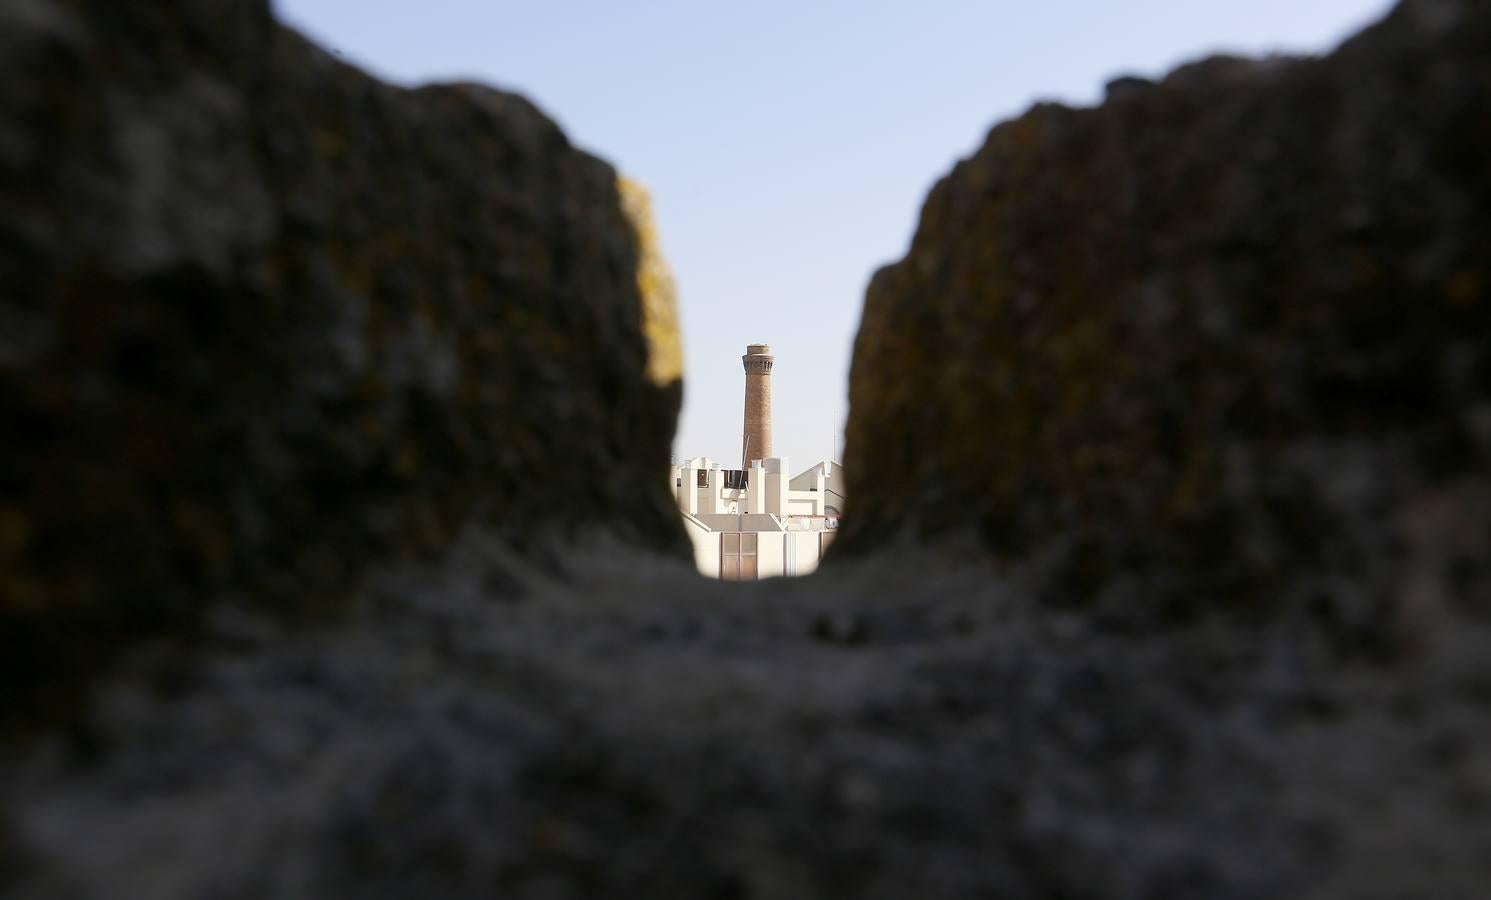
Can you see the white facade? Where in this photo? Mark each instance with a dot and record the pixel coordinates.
(760, 522)
(827, 480)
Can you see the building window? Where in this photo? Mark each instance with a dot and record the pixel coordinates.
(736, 479)
(703, 478)
(738, 556)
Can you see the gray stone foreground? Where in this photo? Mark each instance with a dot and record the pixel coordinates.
(896, 729)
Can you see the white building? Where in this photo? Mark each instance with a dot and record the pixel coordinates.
(758, 522)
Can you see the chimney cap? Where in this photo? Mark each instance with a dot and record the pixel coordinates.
(758, 349)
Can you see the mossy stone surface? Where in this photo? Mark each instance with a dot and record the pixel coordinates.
(267, 322)
(1221, 340)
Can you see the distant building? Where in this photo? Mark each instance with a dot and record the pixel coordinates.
(758, 522)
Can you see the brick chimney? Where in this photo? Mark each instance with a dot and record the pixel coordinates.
(757, 441)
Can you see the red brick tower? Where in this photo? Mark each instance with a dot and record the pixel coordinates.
(757, 441)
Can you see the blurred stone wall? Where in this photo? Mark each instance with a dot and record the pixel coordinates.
(267, 322)
(1220, 341)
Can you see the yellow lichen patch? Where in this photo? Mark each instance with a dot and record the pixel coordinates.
(655, 282)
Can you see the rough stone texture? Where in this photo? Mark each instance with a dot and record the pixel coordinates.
(483, 723)
(1224, 340)
(267, 322)
(659, 291)
(890, 730)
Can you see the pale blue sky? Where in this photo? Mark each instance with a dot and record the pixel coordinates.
(788, 145)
